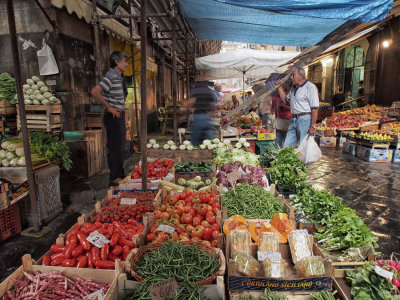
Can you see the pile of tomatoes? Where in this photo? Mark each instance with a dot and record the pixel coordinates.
(155, 170)
(113, 210)
(79, 252)
(193, 215)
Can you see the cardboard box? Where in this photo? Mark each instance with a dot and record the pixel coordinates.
(396, 156)
(327, 142)
(349, 148)
(292, 283)
(268, 136)
(374, 154)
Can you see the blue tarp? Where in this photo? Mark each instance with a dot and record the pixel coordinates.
(277, 22)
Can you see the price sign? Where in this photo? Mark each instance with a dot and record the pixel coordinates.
(166, 228)
(163, 289)
(173, 193)
(233, 177)
(169, 177)
(97, 239)
(97, 295)
(385, 274)
(264, 255)
(128, 201)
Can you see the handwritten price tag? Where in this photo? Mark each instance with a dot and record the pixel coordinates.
(385, 274)
(173, 193)
(97, 239)
(233, 177)
(128, 201)
(97, 295)
(163, 289)
(166, 228)
(264, 255)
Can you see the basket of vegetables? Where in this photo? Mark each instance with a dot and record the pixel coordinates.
(192, 262)
(190, 170)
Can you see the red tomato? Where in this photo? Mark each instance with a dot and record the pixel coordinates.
(210, 217)
(215, 234)
(46, 260)
(196, 221)
(203, 209)
(198, 231)
(215, 226)
(187, 218)
(207, 234)
(205, 224)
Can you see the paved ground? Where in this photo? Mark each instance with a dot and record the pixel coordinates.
(372, 189)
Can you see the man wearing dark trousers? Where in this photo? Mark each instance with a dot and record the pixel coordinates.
(111, 92)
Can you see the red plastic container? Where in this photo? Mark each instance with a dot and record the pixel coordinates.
(10, 222)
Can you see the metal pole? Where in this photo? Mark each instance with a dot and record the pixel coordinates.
(174, 79)
(143, 91)
(187, 75)
(134, 81)
(22, 115)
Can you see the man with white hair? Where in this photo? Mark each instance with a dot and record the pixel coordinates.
(304, 104)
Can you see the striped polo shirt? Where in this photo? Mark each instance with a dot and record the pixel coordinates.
(113, 89)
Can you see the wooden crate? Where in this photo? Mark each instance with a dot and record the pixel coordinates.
(93, 120)
(42, 117)
(97, 275)
(6, 108)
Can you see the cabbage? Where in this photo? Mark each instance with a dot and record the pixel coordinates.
(227, 142)
(30, 82)
(149, 145)
(246, 144)
(222, 179)
(186, 143)
(207, 142)
(35, 87)
(220, 145)
(36, 92)
(26, 86)
(44, 89)
(215, 141)
(28, 102)
(156, 146)
(242, 140)
(173, 147)
(202, 146)
(166, 146)
(36, 102)
(170, 142)
(29, 92)
(47, 95)
(210, 147)
(238, 145)
(190, 147)
(39, 97)
(182, 147)
(35, 78)
(227, 168)
(45, 101)
(40, 83)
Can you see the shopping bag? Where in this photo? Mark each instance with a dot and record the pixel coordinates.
(309, 150)
(47, 62)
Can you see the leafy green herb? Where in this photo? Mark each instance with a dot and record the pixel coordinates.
(324, 295)
(269, 154)
(367, 285)
(268, 295)
(345, 230)
(7, 87)
(318, 206)
(251, 202)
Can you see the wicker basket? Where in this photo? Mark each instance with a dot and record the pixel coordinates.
(154, 246)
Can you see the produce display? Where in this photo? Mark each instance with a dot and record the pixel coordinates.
(251, 202)
(155, 170)
(345, 230)
(274, 268)
(312, 266)
(324, 295)
(36, 92)
(367, 284)
(249, 120)
(246, 264)
(191, 265)
(113, 210)
(240, 242)
(80, 253)
(53, 285)
(226, 155)
(192, 167)
(299, 245)
(368, 112)
(249, 174)
(343, 121)
(393, 267)
(12, 154)
(314, 205)
(7, 87)
(194, 214)
(269, 154)
(373, 137)
(288, 170)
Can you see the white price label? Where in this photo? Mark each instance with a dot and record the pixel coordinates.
(169, 177)
(173, 193)
(385, 274)
(163, 289)
(97, 295)
(51, 82)
(97, 239)
(166, 228)
(264, 255)
(128, 201)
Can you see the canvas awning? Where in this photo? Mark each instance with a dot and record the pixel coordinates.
(83, 9)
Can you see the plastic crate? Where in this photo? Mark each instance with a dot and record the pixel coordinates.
(10, 222)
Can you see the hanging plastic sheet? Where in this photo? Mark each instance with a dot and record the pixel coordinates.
(284, 22)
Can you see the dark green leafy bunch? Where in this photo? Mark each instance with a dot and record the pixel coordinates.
(251, 202)
(367, 285)
(318, 206)
(186, 264)
(345, 230)
(7, 87)
(50, 147)
(324, 295)
(269, 154)
(288, 170)
(268, 295)
(191, 166)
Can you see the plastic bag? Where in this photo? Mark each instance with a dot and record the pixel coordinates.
(309, 149)
(246, 264)
(273, 268)
(47, 62)
(312, 266)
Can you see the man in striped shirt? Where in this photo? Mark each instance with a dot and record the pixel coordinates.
(111, 92)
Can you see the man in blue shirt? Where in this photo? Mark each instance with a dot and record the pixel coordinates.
(111, 92)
